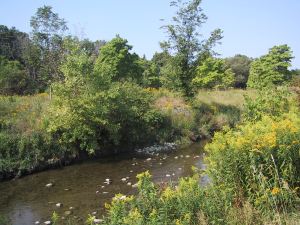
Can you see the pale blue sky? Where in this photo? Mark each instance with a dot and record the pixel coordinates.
(250, 27)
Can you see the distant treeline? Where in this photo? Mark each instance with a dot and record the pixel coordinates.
(30, 63)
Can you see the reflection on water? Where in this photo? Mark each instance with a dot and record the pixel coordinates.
(82, 187)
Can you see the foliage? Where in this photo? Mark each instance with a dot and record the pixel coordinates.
(12, 42)
(170, 75)
(215, 110)
(25, 145)
(4, 220)
(180, 114)
(213, 73)
(116, 63)
(47, 31)
(91, 121)
(54, 218)
(13, 77)
(185, 202)
(271, 102)
(184, 39)
(240, 66)
(272, 68)
(259, 162)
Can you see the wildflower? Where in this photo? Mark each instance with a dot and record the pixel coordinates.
(275, 191)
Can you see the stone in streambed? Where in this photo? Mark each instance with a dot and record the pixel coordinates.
(68, 213)
(49, 185)
(58, 205)
(97, 221)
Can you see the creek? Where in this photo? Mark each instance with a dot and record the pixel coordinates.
(81, 190)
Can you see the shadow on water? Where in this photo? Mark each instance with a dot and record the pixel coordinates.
(82, 186)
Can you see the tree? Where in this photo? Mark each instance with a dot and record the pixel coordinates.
(185, 39)
(272, 68)
(240, 66)
(116, 63)
(13, 77)
(12, 43)
(213, 73)
(47, 34)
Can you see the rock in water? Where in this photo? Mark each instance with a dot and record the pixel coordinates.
(59, 205)
(68, 212)
(107, 181)
(49, 185)
(97, 221)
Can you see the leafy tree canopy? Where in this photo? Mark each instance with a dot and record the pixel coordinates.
(272, 68)
(185, 40)
(240, 66)
(213, 73)
(117, 63)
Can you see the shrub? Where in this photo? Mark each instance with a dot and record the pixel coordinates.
(120, 115)
(271, 102)
(259, 162)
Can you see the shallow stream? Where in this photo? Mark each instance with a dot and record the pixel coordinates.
(81, 186)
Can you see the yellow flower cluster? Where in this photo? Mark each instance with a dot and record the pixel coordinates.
(275, 191)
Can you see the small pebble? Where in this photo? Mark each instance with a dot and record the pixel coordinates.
(149, 159)
(37, 222)
(94, 213)
(123, 179)
(168, 175)
(47, 222)
(129, 183)
(187, 156)
(176, 157)
(59, 205)
(98, 221)
(104, 192)
(135, 185)
(67, 213)
(49, 185)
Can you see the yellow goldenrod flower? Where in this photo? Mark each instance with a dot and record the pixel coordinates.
(275, 191)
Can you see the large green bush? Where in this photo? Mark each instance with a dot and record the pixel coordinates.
(120, 115)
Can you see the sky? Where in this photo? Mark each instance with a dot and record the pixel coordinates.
(249, 27)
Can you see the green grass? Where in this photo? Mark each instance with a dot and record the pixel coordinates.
(22, 114)
(231, 97)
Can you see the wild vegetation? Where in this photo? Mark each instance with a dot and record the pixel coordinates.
(65, 99)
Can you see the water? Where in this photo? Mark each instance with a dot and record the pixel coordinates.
(80, 186)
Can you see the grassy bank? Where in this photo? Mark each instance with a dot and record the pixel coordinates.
(37, 132)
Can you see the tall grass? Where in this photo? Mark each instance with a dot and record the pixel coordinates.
(230, 97)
